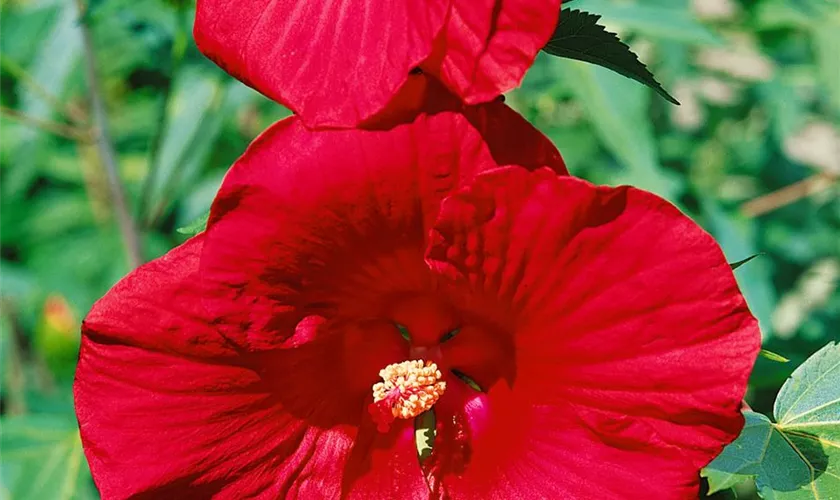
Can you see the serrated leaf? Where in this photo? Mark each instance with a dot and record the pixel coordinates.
(798, 457)
(196, 226)
(736, 265)
(579, 36)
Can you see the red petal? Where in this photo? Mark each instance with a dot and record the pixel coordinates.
(331, 224)
(489, 45)
(627, 321)
(502, 445)
(335, 63)
(159, 393)
(169, 409)
(385, 465)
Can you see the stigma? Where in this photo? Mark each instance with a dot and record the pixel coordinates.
(407, 390)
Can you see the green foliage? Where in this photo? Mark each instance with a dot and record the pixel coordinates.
(665, 20)
(178, 122)
(613, 104)
(579, 36)
(772, 356)
(798, 456)
(195, 226)
(736, 265)
(42, 458)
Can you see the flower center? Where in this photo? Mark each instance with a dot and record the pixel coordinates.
(408, 389)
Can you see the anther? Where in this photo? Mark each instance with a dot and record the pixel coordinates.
(407, 390)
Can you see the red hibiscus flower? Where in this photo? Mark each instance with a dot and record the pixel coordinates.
(345, 63)
(572, 341)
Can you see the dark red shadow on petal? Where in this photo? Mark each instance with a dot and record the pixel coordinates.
(418, 94)
(505, 132)
(326, 380)
(485, 354)
(461, 414)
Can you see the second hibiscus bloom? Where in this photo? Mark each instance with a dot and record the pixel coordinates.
(347, 63)
(560, 332)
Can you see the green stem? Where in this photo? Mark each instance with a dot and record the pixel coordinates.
(105, 147)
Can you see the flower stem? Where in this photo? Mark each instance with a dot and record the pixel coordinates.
(789, 194)
(59, 129)
(105, 147)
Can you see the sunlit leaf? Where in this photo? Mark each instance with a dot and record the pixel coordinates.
(798, 456)
(196, 226)
(772, 356)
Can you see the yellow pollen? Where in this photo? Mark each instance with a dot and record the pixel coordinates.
(411, 387)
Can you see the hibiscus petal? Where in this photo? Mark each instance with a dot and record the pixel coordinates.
(164, 403)
(331, 224)
(169, 408)
(385, 465)
(502, 445)
(489, 45)
(628, 326)
(336, 63)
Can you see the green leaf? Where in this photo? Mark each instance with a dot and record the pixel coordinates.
(811, 396)
(737, 236)
(618, 110)
(467, 380)
(195, 118)
(798, 457)
(196, 226)
(736, 265)
(16, 280)
(42, 458)
(424, 434)
(191, 127)
(772, 356)
(52, 66)
(826, 39)
(579, 36)
(759, 451)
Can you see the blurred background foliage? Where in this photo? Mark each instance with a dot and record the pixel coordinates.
(753, 154)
